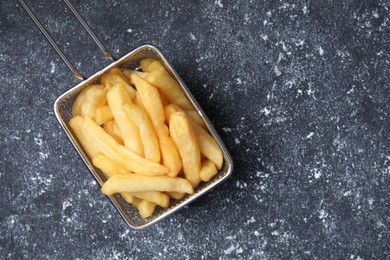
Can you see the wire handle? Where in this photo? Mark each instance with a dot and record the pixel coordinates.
(54, 44)
(89, 30)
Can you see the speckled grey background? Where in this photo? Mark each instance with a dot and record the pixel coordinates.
(299, 92)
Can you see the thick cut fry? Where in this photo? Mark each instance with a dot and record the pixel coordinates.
(89, 101)
(170, 155)
(116, 129)
(152, 103)
(145, 63)
(196, 117)
(128, 197)
(117, 97)
(135, 183)
(208, 170)
(121, 155)
(115, 76)
(103, 115)
(128, 73)
(119, 73)
(148, 65)
(76, 108)
(145, 128)
(110, 128)
(184, 137)
(145, 208)
(138, 101)
(207, 144)
(86, 141)
(169, 88)
(155, 197)
(155, 65)
(107, 166)
(176, 195)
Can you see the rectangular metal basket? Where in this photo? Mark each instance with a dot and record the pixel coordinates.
(63, 107)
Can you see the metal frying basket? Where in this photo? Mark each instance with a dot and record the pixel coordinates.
(63, 106)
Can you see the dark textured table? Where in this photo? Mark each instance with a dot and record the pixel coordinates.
(299, 92)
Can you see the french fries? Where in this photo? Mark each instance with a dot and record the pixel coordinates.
(156, 197)
(115, 76)
(112, 129)
(208, 170)
(149, 65)
(103, 115)
(184, 137)
(145, 128)
(152, 103)
(117, 97)
(195, 117)
(89, 100)
(208, 146)
(142, 132)
(128, 73)
(145, 208)
(176, 195)
(136, 183)
(170, 88)
(107, 166)
(95, 136)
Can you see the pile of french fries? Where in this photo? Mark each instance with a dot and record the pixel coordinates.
(142, 132)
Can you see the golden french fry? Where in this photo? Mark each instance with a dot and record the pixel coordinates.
(184, 137)
(152, 103)
(145, 128)
(112, 129)
(103, 115)
(155, 197)
(115, 76)
(86, 141)
(76, 108)
(155, 65)
(117, 97)
(135, 183)
(148, 65)
(176, 195)
(121, 155)
(208, 170)
(90, 99)
(169, 88)
(193, 114)
(128, 73)
(170, 155)
(128, 197)
(119, 73)
(116, 129)
(145, 208)
(207, 144)
(138, 101)
(145, 63)
(107, 166)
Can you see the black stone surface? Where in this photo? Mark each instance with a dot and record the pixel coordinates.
(298, 90)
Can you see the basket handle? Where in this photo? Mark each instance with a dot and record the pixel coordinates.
(54, 44)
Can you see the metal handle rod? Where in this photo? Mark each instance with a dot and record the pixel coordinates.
(50, 40)
(89, 30)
